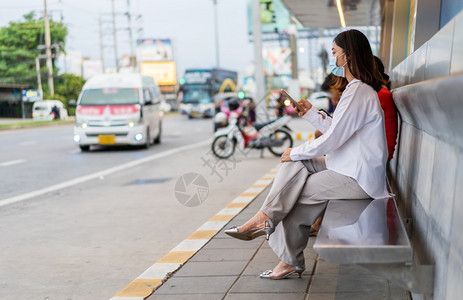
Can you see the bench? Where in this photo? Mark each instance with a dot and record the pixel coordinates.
(371, 233)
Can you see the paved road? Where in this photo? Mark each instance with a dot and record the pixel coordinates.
(46, 156)
(88, 240)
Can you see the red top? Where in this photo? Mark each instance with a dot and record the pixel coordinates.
(390, 119)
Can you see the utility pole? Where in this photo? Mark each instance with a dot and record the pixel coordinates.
(115, 35)
(100, 23)
(129, 19)
(216, 30)
(259, 66)
(37, 68)
(48, 51)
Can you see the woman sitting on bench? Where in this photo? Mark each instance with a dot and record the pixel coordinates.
(354, 167)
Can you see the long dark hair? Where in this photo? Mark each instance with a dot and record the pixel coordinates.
(380, 66)
(360, 60)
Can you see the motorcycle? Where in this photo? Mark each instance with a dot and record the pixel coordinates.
(274, 135)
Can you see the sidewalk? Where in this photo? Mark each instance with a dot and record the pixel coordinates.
(226, 268)
(14, 120)
(18, 123)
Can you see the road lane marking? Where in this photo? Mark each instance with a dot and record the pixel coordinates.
(179, 255)
(100, 174)
(12, 162)
(75, 151)
(28, 143)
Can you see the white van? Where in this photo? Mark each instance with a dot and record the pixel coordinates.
(44, 110)
(118, 109)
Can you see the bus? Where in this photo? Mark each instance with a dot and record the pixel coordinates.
(198, 87)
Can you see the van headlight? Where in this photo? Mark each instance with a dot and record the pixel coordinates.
(138, 137)
(82, 124)
(77, 138)
(131, 124)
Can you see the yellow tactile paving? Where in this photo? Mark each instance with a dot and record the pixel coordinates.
(237, 204)
(176, 257)
(139, 288)
(256, 186)
(221, 218)
(145, 287)
(202, 235)
(248, 194)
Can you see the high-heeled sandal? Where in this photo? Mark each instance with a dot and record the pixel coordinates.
(246, 235)
(268, 274)
(268, 228)
(252, 234)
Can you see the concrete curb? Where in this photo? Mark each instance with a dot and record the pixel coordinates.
(38, 125)
(145, 284)
(304, 136)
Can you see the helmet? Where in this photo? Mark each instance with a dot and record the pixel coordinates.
(233, 104)
(220, 117)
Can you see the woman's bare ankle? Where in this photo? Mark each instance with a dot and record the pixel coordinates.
(281, 267)
(255, 222)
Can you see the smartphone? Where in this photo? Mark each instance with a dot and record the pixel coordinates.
(290, 98)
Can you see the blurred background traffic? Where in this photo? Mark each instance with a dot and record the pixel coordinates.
(193, 50)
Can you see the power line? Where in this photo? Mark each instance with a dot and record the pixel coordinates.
(79, 8)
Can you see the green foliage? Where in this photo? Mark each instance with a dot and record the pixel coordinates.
(67, 87)
(19, 47)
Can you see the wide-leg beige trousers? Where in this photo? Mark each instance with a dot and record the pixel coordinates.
(298, 196)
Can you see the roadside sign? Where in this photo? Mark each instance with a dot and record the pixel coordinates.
(31, 95)
(163, 72)
(154, 50)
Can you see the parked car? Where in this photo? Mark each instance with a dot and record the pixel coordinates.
(47, 110)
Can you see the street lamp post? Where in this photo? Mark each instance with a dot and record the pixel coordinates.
(216, 29)
(258, 62)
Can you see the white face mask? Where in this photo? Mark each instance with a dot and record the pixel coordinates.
(337, 71)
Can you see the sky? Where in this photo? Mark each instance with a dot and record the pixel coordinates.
(188, 23)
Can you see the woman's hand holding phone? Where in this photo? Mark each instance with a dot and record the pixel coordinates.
(301, 107)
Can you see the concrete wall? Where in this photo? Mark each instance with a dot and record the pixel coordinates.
(427, 171)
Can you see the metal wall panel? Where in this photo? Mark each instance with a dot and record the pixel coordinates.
(439, 52)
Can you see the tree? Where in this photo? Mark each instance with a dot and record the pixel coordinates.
(19, 44)
(67, 87)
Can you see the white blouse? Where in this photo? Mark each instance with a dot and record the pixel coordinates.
(354, 140)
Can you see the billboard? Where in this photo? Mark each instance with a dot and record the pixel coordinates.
(91, 67)
(31, 95)
(163, 72)
(274, 16)
(154, 50)
(277, 61)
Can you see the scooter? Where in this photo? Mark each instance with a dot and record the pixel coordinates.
(274, 135)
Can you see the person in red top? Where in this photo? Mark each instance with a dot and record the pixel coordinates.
(390, 111)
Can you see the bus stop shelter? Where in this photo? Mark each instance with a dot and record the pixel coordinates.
(11, 101)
